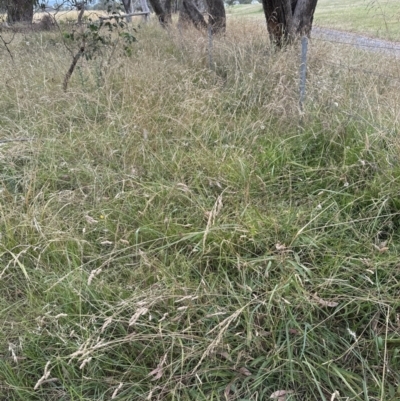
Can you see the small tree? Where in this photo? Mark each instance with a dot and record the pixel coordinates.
(91, 39)
(288, 19)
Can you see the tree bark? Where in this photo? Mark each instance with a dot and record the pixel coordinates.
(217, 16)
(189, 13)
(127, 6)
(303, 16)
(160, 12)
(288, 19)
(20, 11)
(168, 11)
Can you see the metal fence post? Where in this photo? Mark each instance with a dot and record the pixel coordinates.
(303, 71)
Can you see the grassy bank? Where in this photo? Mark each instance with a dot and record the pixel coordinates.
(171, 232)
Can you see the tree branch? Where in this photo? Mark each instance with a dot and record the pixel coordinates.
(5, 43)
(73, 65)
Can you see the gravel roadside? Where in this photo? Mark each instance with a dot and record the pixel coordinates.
(357, 40)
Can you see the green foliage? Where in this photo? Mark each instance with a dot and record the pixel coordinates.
(98, 36)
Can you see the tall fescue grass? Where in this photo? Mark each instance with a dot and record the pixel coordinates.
(171, 231)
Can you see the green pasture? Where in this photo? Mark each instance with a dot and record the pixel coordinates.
(376, 18)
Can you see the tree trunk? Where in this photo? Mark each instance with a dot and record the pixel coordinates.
(168, 11)
(200, 5)
(160, 12)
(20, 11)
(288, 19)
(127, 6)
(189, 13)
(175, 6)
(217, 17)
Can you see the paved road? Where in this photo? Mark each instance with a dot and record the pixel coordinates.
(358, 41)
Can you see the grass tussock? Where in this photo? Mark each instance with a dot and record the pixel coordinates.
(171, 231)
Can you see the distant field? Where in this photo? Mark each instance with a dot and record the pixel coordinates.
(372, 17)
(248, 10)
(375, 18)
(71, 15)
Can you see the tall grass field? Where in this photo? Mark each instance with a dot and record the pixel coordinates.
(174, 227)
